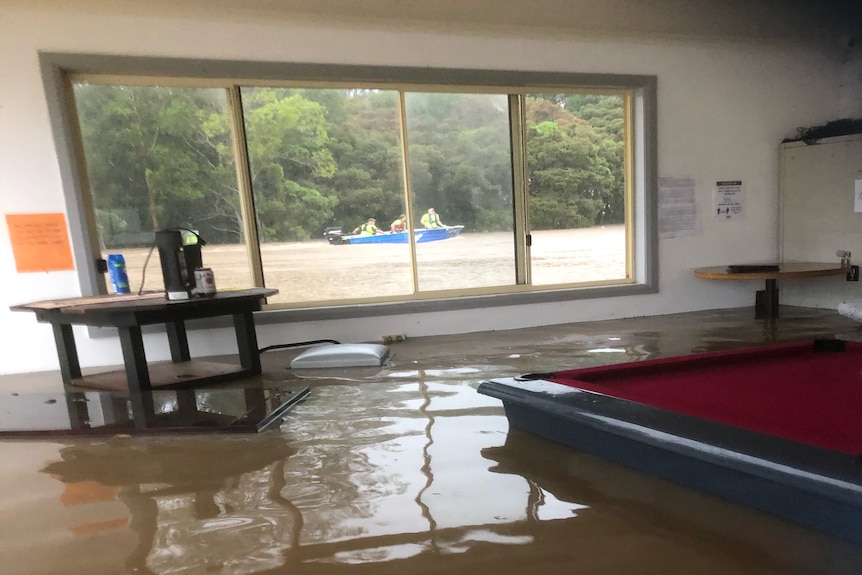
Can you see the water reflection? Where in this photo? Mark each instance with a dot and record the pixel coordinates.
(612, 503)
(193, 502)
(403, 459)
(68, 413)
(370, 473)
(426, 463)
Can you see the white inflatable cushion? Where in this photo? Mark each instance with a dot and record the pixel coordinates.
(342, 355)
(851, 309)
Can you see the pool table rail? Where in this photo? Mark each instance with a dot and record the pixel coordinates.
(816, 487)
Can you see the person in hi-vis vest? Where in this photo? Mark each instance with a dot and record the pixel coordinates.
(369, 228)
(431, 220)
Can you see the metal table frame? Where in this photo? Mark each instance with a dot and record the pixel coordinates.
(129, 313)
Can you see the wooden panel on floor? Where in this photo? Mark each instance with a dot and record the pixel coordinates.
(164, 374)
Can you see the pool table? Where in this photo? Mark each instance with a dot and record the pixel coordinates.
(776, 427)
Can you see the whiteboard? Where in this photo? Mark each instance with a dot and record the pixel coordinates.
(817, 217)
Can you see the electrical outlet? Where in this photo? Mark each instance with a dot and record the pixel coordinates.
(853, 274)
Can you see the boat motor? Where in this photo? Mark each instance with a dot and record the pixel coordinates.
(180, 254)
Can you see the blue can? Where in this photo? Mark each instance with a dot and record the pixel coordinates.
(117, 273)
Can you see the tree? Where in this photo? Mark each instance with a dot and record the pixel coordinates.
(575, 168)
(366, 145)
(460, 158)
(160, 157)
(153, 164)
(288, 153)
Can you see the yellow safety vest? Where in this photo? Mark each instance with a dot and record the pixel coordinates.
(430, 221)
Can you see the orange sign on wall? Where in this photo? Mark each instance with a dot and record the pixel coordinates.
(40, 242)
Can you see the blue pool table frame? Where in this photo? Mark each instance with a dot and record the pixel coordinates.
(816, 487)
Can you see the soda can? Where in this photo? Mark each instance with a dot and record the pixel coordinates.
(205, 282)
(117, 273)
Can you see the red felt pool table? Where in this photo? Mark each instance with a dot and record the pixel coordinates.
(776, 427)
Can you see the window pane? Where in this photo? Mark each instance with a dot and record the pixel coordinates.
(160, 158)
(459, 155)
(323, 162)
(576, 180)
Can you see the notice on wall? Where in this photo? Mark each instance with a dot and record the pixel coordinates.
(677, 209)
(729, 203)
(40, 242)
(857, 194)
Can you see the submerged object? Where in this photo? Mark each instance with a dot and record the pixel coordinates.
(342, 355)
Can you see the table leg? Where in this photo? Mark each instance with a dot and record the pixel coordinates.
(187, 403)
(79, 413)
(255, 402)
(246, 340)
(770, 299)
(67, 352)
(134, 358)
(143, 408)
(178, 341)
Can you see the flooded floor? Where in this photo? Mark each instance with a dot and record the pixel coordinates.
(403, 470)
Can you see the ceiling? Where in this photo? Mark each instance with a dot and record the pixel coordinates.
(758, 20)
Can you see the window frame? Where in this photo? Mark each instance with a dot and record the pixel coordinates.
(60, 69)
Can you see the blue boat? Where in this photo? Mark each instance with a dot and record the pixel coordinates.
(334, 236)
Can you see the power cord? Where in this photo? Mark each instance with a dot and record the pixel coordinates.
(297, 344)
(144, 271)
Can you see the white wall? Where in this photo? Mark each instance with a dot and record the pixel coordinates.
(818, 215)
(850, 91)
(723, 108)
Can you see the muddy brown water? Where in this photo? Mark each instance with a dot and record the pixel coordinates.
(401, 470)
(315, 270)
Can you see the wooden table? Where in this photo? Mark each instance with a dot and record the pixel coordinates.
(766, 303)
(129, 312)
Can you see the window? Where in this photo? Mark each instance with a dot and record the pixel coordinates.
(158, 158)
(295, 181)
(460, 165)
(576, 176)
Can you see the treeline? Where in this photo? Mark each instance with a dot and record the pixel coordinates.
(163, 157)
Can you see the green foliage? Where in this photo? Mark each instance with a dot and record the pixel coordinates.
(366, 145)
(460, 160)
(163, 157)
(289, 153)
(156, 160)
(575, 156)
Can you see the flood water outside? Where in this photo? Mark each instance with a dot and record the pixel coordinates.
(318, 271)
